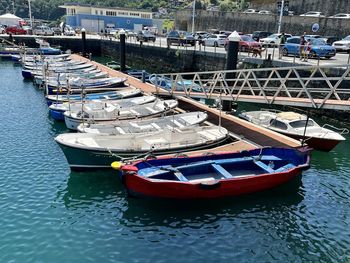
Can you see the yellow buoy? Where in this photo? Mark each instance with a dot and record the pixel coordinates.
(116, 165)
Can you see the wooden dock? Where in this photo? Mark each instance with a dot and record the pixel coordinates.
(247, 135)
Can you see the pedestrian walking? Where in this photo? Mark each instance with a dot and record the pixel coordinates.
(281, 46)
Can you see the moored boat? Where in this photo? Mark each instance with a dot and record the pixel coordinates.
(121, 93)
(215, 175)
(297, 126)
(175, 121)
(74, 118)
(91, 151)
(57, 110)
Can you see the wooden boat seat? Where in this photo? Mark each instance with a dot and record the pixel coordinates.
(264, 167)
(110, 108)
(151, 110)
(134, 112)
(120, 130)
(156, 126)
(178, 124)
(222, 171)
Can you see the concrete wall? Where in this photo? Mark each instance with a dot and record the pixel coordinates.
(248, 23)
(329, 7)
(163, 60)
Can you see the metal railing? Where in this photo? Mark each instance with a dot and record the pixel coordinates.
(305, 86)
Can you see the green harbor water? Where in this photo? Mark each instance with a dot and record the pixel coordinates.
(50, 214)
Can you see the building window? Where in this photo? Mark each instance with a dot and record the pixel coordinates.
(135, 14)
(123, 13)
(145, 16)
(101, 12)
(96, 12)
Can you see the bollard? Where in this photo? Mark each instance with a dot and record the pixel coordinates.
(122, 50)
(232, 54)
(143, 76)
(83, 38)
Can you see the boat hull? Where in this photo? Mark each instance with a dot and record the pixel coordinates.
(243, 173)
(86, 159)
(320, 144)
(137, 187)
(57, 115)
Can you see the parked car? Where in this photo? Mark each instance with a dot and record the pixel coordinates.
(180, 38)
(341, 16)
(257, 35)
(69, 31)
(43, 31)
(342, 45)
(28, 29)
(318, 48)
(331, 39)
(145, 36)
(273, 40)
(2, 29)
(246, 43)
(314, 14)
(15, 30)
(56, 30)
(250, 11)
(265, 12)
(214, 40)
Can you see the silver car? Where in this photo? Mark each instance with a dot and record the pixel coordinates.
(342, 45)
(43, 31)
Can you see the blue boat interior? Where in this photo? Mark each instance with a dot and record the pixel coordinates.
(219, 167)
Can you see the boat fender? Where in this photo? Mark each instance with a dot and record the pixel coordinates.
(211, 185)
(180, 155)
(116, 165)
(208, 154)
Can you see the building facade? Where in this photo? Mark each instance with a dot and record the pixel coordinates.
(96, 19)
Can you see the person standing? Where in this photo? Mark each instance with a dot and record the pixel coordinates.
(281, 46)
(302, 47)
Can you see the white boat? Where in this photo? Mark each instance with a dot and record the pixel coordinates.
(91, 151)
(57, 109)
(74, 118)
(297, 126)
(176, 121)
(120, 93)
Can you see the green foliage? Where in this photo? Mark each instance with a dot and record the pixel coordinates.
(49, 9)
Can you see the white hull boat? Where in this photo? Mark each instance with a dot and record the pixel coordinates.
(92, 151)
(297, 126)
(177, 121)
(74, 118)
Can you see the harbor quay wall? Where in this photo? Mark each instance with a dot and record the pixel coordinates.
(164, 60)
(248, 23)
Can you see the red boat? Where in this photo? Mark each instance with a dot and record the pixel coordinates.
(214, 176)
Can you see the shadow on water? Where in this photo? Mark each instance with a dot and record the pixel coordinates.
(155, 210)
(90, 187)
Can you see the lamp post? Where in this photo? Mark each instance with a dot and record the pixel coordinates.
(122, 50)
(30, 15)
(193, 13)
(280, 18)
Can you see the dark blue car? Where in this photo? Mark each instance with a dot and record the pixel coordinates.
(317, 48)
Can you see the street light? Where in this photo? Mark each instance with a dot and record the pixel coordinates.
(280, 18)
(30, 14)
(193, 12)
